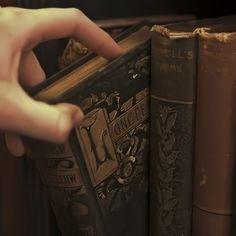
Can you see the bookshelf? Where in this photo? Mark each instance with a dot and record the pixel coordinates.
(22, 216)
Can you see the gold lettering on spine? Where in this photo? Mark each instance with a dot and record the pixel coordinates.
(169, 67)
(175, 53)
(129, 120)
(61, 178)
(59, 168)
(179, 55)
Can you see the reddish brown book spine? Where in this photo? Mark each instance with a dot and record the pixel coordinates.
(215, 167)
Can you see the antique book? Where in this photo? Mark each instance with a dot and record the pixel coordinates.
(173, 104)
(173, 87)
(98, 181)
(215, 171)
(74, 50)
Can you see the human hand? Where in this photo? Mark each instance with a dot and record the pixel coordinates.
(21, 31)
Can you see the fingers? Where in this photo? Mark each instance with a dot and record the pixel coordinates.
(30, 74)
(22, 30)
(53, 23)
(30, 71)
(15, 143)
(22, 115)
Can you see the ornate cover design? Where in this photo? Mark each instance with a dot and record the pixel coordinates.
(107, 194)
(172, 137)
(171, 149)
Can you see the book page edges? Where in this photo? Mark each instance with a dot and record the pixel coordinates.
(86, 70)
(171, 34)
(203, 32)
(223, 37)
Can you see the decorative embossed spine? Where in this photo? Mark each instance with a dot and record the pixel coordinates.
(173, 87)
(60, 172)
(215, 168)
(114, 138)
(98, 181)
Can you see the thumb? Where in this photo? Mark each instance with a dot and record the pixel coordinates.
(25, 116)
(54, 122)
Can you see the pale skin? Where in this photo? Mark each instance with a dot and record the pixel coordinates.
(20, 31)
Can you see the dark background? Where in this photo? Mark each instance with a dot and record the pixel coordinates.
(105, 9)
(100, 9)
(48, 53)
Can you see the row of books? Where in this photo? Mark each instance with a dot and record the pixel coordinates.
(30, 213)
(192, 137)
(119, 173)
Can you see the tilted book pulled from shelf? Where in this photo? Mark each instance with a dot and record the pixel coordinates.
(98, 181)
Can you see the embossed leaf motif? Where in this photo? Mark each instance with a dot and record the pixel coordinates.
(169, 176)
(158, 128)
(161, 156)
(168, 219)
(161, 177)
(87, 103)
(172, 157)
(168, 145)
(173, 203)
(159, 197)
(170, 122)
(111, 97)
(163, 116)
(164, 112)
(170, 204)
(142, 65)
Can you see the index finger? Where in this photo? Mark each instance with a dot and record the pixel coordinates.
(53, 23)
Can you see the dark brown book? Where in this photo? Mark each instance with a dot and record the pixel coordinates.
(173, 84)
(98, 181)
(215, 167)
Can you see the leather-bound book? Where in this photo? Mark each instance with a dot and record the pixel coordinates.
(215, 167)
(173, 84)
(97, 182)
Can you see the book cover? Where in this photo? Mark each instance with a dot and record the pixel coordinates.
(98, 181)
(173, 83)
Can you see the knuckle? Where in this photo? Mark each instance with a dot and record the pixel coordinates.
(77, 13)
(12, 22)
(11, 15)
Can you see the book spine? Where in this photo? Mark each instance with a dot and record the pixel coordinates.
(215, 177)
(97, 180)
(61, 174)
(113, 139)
(173, 87)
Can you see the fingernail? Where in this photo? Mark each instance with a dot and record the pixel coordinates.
(15, 145)
(68, 121)
(78, 117)
(64, 127)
